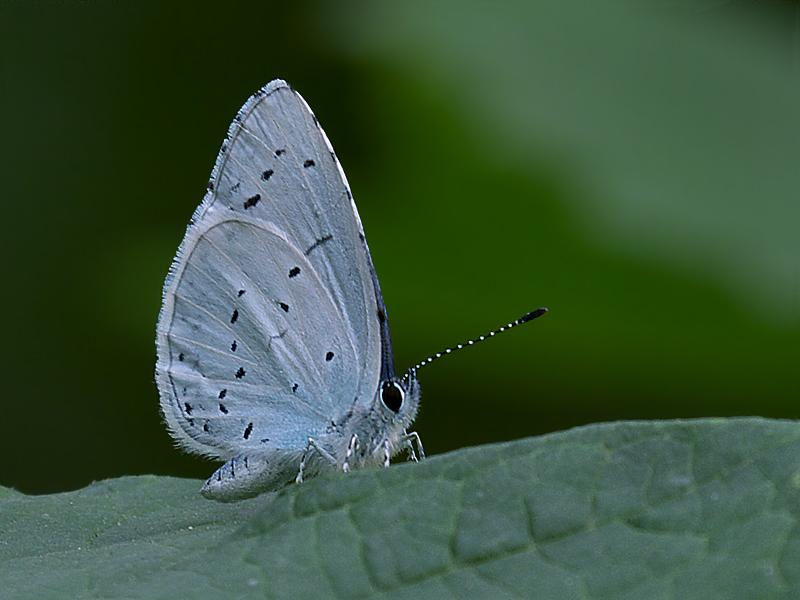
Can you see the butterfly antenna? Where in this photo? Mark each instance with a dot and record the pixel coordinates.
(523, 319)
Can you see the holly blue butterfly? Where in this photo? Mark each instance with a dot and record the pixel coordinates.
(274, 351)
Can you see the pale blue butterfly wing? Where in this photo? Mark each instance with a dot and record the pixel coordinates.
(268, 330)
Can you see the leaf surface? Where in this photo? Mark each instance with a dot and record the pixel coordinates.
(670, 509)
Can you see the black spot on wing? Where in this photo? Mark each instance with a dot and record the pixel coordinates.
(240, 373)
(309, 163)
(317, 243)
(280, 151)
(181, 357)
(267, 174)
(240, 293)
(187, 407)
(205, 426)
(284, 306)
(329, 356)
(234, 316)
(222, 394)
(223, 409)
(252, 201)
(248, 430)
(294, 387)
(294, 271)
(233, 346)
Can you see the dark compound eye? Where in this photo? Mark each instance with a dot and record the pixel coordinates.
(392, 396)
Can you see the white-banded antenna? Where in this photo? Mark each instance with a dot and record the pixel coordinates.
(523, 319)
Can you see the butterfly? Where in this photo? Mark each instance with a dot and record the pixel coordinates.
(273, 342)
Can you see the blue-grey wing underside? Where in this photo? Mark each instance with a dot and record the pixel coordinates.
(268, 330)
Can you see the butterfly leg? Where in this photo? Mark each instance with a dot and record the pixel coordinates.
(299, 478)
(414, 437)
(351, 447)
(387, 454)
(312, 445)
(412, 455)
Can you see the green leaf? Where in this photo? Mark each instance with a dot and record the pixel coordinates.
(680, 509)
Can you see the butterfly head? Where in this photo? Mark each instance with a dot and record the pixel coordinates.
(399, 397)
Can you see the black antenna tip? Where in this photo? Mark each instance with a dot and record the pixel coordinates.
(532, 315)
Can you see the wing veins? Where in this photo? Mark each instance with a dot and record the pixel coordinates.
(254, 389)
(211, 348)
(320, 377)
(213, 316)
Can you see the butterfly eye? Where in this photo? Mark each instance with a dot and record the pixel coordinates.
(392, 396)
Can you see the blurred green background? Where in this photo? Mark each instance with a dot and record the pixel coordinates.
(633, 166)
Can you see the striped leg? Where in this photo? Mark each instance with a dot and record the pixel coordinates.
(387, 454)
(351, 447)
(411, 437)
(312, 445)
